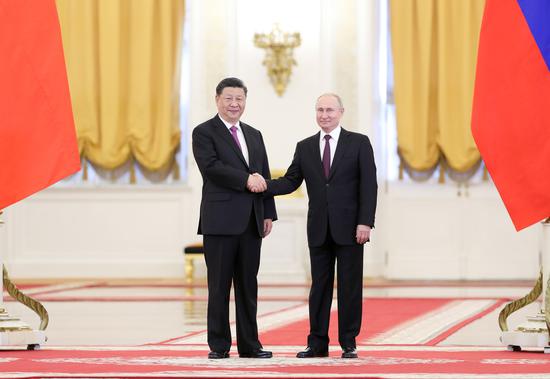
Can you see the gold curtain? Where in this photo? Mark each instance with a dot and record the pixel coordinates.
(434, 45)
(123, 64)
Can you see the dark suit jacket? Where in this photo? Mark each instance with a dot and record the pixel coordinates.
(226, 203)
(344, 200)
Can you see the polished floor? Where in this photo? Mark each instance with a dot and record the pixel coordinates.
(142, 312)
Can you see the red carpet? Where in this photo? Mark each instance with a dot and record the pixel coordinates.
(190, 363)
(386, 321)
(397, 341)
(379, 315)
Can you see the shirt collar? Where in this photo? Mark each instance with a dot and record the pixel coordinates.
(228, 125)
(334, 134)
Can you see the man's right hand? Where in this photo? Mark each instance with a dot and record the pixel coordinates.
(256, 183)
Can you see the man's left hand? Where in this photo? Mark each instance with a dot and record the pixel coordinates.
(362, 234)
(268, 224)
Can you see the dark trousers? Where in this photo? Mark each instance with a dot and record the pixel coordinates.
(233, 259)
(350, 292)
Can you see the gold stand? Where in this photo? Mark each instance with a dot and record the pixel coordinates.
(191, 253)
(13, 331)
(190, 266)
(535, 331)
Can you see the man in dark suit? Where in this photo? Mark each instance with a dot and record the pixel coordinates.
(233, 220)
(340, 174)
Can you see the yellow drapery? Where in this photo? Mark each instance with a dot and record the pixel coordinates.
(123, 64)
(434, 46)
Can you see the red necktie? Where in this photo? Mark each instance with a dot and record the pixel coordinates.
(326, 156)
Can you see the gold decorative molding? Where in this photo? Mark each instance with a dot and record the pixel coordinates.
(279, 49)
(16, 325)
(520, 303)
(35, 305)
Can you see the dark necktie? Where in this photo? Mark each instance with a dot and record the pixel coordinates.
(326, 156)
(234, 134)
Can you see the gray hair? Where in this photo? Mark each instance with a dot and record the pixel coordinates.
(338, 98)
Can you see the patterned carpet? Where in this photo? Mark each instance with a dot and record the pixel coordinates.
(190, 362)
(402, 337)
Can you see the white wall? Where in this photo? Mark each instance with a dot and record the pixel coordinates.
(423, 231)
(98, 232)
(441, 232)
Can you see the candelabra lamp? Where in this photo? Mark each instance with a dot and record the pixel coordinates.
(279, 59)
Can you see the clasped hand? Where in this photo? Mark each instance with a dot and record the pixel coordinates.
(256, 183)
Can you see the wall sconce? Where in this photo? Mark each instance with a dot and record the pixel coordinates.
(279, 48)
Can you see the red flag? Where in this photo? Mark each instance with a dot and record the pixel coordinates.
(511, 110)
(37, 135)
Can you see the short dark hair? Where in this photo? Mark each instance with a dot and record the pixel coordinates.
(231, 82)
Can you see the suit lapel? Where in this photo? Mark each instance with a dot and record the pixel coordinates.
(340, 147)
(250, 145)
(225, 135)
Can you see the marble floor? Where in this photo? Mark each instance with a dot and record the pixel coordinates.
(147, 311)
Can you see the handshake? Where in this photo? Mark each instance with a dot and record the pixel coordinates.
(256, 183)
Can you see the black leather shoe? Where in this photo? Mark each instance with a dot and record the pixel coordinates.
(260, 353)
(309, 352)
(218, 354)
(349, 352)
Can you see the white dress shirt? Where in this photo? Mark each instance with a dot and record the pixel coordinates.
(240, 136)
(333, 141)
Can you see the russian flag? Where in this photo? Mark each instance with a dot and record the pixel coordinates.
(511, 108)
(38, 143)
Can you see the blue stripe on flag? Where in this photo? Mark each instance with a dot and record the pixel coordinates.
(537, 15)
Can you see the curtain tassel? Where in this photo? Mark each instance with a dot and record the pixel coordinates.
(84, 169)
(132, 170)
(441, 173)
(176, 170)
